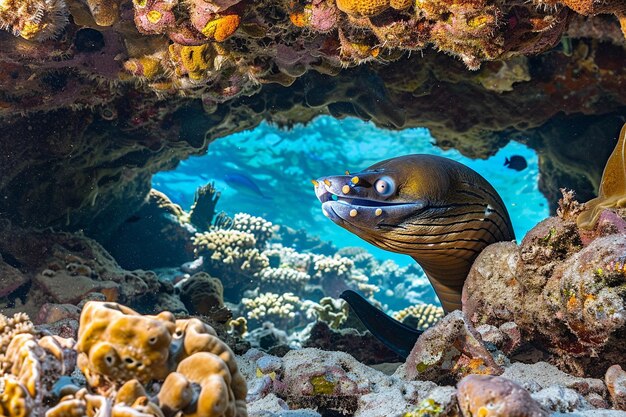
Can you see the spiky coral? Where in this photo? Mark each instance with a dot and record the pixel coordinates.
(33, 19)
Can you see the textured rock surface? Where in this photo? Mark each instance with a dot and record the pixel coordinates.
(564, 297)
(615, 379)
(58, 268)
(493, 396)
(449, 351)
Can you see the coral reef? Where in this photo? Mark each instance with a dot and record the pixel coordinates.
(119, 352)
(125, 93)
(232, 254)
(335, 383)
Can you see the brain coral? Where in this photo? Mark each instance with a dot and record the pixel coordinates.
(117, 345)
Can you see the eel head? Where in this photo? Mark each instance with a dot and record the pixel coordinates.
(378, 202)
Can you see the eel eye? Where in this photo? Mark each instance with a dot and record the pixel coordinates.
(385, 186)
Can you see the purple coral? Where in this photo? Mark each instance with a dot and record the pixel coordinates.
(154, 17)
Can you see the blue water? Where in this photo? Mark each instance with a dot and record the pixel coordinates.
(283, 162)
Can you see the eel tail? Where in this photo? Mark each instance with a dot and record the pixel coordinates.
(397, 336)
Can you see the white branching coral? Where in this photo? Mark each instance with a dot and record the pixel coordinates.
(230, 255)
(260, 228)
(288, 257)
(332, 267)
(277, 308)
(11, 327)
(285, 279)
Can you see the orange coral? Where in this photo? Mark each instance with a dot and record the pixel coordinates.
(301, 17)
(212, 375)
(221, 28)
(29, 366)
(147, 67)
(117, 344)
(195, 61)
(365, 8)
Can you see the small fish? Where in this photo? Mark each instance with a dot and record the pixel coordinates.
(133, 219)
(516, 162)
(244, 184)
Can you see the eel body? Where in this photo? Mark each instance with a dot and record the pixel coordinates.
(438, 211)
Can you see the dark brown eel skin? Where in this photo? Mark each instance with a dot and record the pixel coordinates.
(436, 210)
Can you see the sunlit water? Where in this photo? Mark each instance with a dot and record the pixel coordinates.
(283, 162)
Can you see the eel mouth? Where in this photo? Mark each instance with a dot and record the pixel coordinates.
(343, 201)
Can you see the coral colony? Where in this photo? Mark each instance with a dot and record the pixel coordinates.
(117, 302)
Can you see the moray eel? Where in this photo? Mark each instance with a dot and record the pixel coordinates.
(438, 211)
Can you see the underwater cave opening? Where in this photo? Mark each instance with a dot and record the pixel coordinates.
(267, 172)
